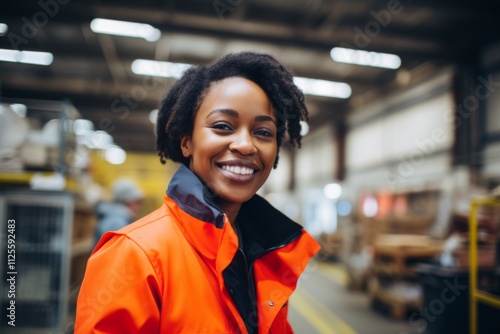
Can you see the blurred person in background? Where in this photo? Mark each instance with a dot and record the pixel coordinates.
(126, 205)
(216, 257)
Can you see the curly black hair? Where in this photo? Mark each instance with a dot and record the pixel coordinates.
(178, 108)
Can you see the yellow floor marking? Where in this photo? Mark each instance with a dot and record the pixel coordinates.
(318, 315)
(335, 272)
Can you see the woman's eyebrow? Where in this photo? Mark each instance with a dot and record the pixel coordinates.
(229, 112)
(234, 113)
(264, 118)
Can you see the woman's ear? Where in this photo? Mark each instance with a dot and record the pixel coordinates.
(186, 146)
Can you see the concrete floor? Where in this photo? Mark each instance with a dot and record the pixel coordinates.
(323, 305)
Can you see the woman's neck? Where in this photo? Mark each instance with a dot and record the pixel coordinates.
(230, 209)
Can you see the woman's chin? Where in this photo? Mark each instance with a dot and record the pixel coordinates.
(234, 198)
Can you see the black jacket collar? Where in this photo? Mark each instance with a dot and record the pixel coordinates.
(262, 226)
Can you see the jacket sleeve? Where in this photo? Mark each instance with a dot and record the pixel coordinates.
(120, 291)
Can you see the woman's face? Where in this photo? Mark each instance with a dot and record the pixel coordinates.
(233, 146)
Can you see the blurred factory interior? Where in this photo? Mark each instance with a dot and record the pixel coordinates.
(398, 175)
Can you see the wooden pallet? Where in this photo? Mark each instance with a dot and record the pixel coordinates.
(397, 307)
(394, 253)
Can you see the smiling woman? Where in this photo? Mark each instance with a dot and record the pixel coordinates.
(216, 257)
(233, 145)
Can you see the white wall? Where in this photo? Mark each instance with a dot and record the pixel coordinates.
(424, 128)
(278, 180)
(491, 154)
(402, 139)
(491, 158)
(316, 160)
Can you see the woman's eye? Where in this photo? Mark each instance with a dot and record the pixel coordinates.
(221, 126)
(265, 133)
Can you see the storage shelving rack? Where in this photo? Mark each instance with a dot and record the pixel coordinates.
(54, 229)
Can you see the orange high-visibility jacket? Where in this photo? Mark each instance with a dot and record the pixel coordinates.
(164, 273)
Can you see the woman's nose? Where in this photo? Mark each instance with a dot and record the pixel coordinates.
(243, 143)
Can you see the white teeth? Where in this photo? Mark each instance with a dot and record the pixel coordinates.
(238, 170)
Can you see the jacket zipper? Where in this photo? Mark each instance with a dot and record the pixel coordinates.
(250, 277)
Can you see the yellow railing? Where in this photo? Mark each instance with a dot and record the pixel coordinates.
(477, 295)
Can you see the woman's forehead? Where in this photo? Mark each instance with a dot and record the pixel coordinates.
(215, 88)
(236, 91)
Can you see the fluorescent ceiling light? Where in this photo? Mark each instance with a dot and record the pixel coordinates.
(323, 87)
(99, 140)
(153, 115)
(115, 155)
(124, 28)
(159, 68)
(83, 127)
(332, 190)
(304, 128)
(365, 58)
(370, 207)
(27, 57)
(19, 109)
(3, 29)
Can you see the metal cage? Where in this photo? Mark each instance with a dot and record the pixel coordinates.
(43, 223)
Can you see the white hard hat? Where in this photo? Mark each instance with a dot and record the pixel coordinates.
(126, 190)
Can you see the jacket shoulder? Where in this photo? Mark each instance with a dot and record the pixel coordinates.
(151, 232)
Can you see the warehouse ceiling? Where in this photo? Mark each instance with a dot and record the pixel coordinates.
(94, 72)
